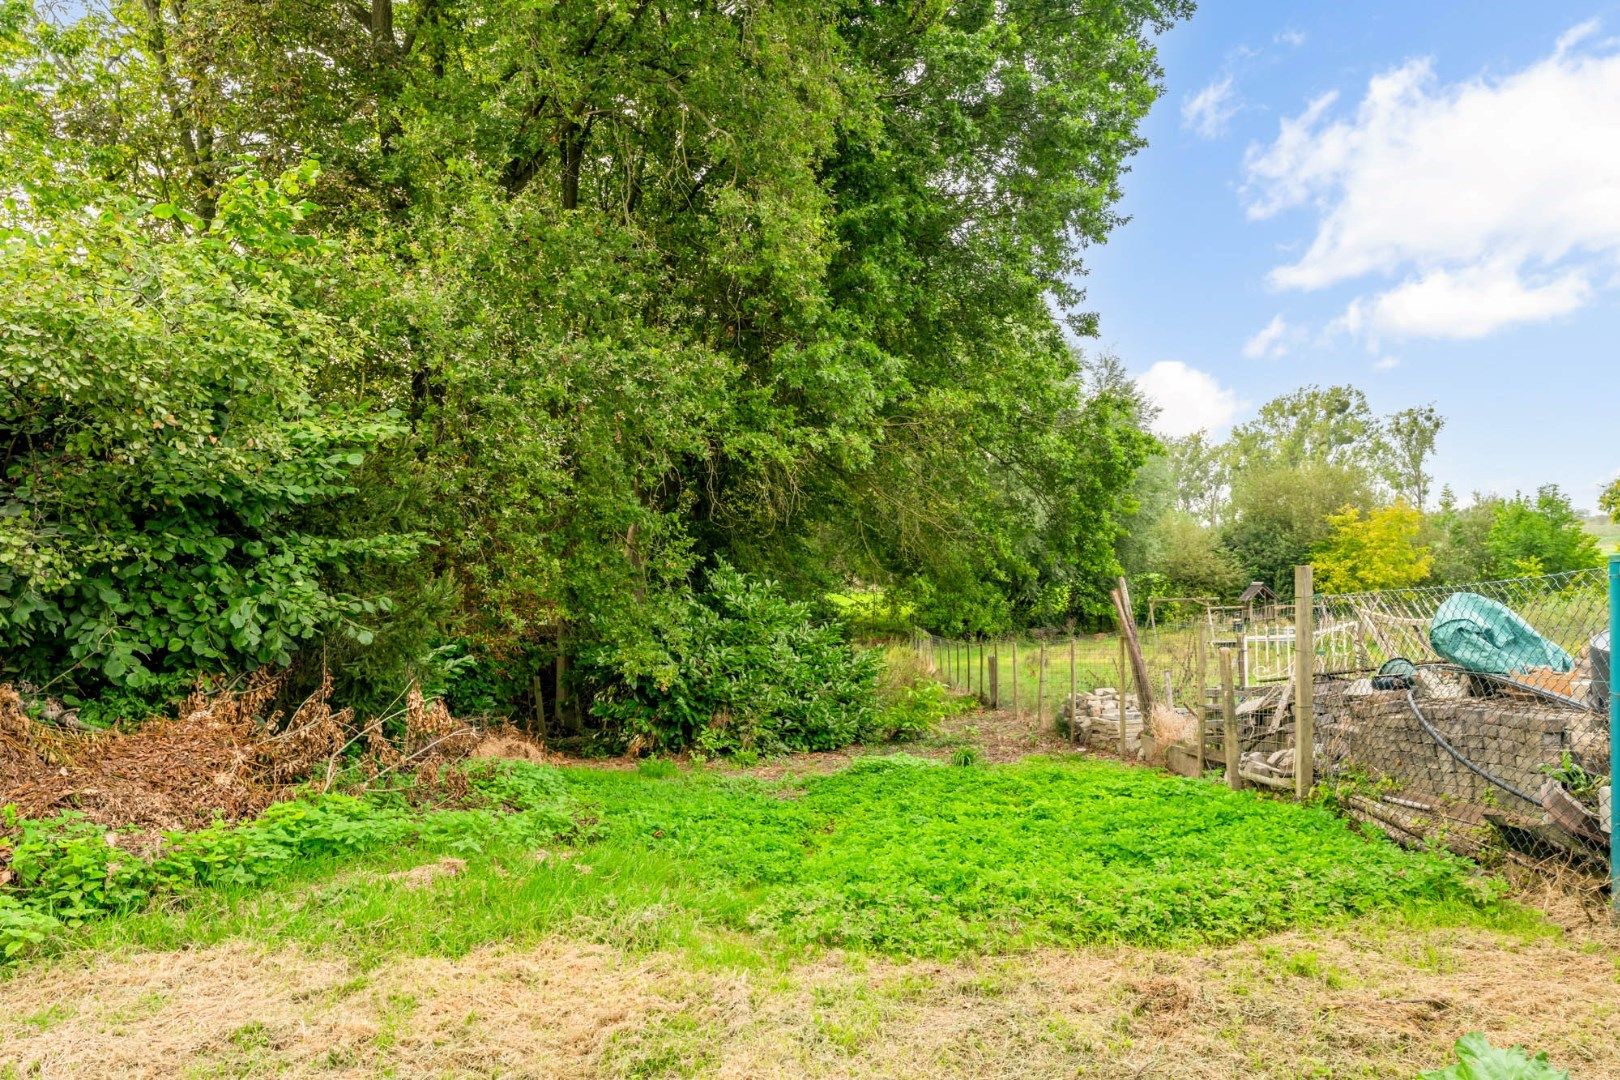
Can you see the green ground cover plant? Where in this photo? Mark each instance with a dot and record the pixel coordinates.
(896, 855)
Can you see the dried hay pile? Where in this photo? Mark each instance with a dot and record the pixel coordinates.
(222, 756)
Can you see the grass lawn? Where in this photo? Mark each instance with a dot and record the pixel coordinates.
(897, 917)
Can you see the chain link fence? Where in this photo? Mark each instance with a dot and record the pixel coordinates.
(1469, 716)
(1459, 712)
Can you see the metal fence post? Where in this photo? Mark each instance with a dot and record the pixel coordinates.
(1614, 733)
(1304, 682)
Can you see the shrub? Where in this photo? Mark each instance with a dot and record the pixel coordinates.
(747, 670)
(164, 449)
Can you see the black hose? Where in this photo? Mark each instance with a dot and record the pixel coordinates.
(1411, 701)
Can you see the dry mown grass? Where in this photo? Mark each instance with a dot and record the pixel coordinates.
(1374, 1002)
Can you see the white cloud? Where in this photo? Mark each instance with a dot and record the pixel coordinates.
(1386, 363)
(1491, 202)
(1189, 400)
(1208, 111)
(1577, 34)
(1471, 303)
(1292, 38)
(1270, 342)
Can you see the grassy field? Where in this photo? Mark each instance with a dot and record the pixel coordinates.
(896, 917)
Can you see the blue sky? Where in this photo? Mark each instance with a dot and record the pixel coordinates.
(1419, 198)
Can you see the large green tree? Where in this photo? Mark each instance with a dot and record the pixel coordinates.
(657, 284)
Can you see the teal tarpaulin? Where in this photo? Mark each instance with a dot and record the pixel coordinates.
(1482, 635)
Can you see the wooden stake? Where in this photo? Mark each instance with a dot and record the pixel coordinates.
(995, 681)
(1127, 625)
(1229, 722)
(1304, 682)
(1124, 680)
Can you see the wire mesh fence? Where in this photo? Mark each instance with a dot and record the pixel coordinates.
(1472, 709)
(1458, 715)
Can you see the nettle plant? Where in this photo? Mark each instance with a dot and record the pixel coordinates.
(160, 448)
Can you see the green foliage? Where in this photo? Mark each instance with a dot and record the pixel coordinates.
(1411, 435)
(744, 669)
(904, 855)
(163, 448)
(1543, 535)
(1312, 426)
(621, 347)
(67, 870)
(1280, 515)
(1377, 551)
(911, 712)
(1477, 1059)
(896, 853)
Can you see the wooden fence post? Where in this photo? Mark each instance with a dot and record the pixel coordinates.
(1229, 721)
(1304, 682)
(1040, 687)
(995, 679)
(1201, 695)
(1124, 678)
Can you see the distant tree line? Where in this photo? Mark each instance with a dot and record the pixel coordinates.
(1317, 477)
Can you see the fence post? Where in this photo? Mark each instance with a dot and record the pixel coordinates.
(1304, 682)
(1229, 722)
(1040, 687)
(995, 679)
(1243, 659)
(1201, 695)
(1614, 733)
(1124, 678)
